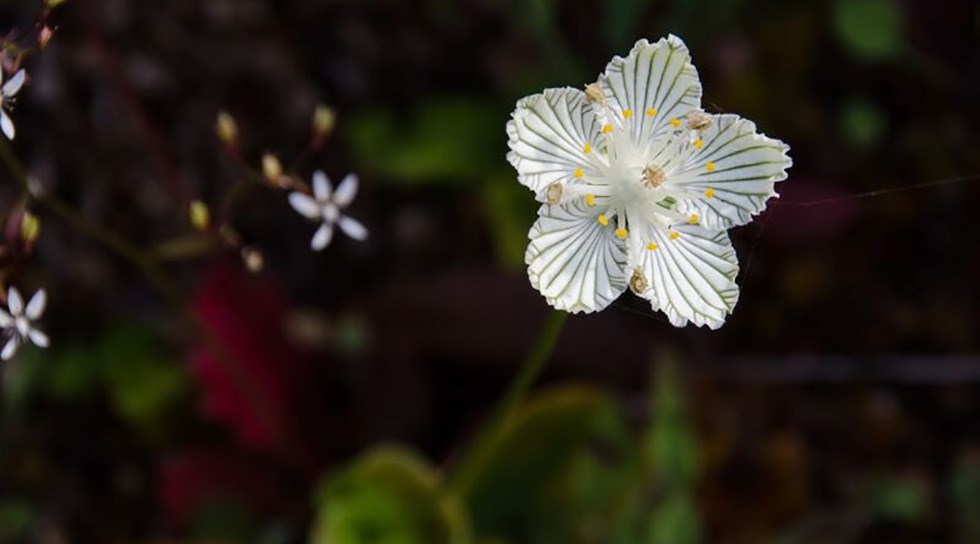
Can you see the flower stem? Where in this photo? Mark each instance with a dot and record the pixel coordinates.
(185, 248)
(115, 243)
(472, 464)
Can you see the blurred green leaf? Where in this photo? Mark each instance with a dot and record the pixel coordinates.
(965, 491)
(15, 521)
(899, 499)
(540, 19)
(223, 519)
(620, 22)
(353, 334)
(388, 496)
(143, 382)
(74, 375)
(510, 211)
(862, 122)
(539, 16)
(557, 473)
(453, 141)
(675, 521)
(870, 29)
(130, 365)
(21, 379)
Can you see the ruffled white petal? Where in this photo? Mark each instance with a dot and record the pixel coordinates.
(690, 278)
(551, 136)
(322, 237)
(10, 348)
(576, 263)
(321, 186)
(15, 303)
(305, 205)
(353, 228)
(745, 167)
(36, 305)
(6, 320)
(346, 191)
(6, 125)
(38, 338)
(13, 86)
(656, 83)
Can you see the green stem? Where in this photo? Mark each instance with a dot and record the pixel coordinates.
(119, 245)
(185, 248)
(473, 463)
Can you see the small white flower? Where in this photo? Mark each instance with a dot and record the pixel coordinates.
(7, 94)
(639, 186)
(325, 205)
(16, 322)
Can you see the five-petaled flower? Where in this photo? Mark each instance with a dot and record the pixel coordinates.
(16, 322)
(325, 206)
(639, 186)
(7, 94)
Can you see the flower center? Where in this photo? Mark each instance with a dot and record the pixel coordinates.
(22, 324)
(330, 212)
(653, 176)
(640, 194)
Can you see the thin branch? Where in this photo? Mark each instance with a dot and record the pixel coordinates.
(150, 268)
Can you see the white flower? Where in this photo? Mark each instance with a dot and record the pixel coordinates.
(7, 94)
(639, 186)
(17, 323)
(325, 205)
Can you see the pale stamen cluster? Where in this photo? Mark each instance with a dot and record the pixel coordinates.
(633, 182)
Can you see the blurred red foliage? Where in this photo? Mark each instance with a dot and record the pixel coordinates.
(249, 373)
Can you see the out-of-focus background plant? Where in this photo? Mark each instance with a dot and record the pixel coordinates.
(230, 385)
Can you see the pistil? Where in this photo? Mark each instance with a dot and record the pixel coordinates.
(653, 176)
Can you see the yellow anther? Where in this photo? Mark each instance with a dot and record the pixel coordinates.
(711, 167)
(579, 172)
(587, 148)
(590, 200)
(651, 111)
(602, 220)
(652, 246)
(694, 219)
(622, 233)
(627, 113)
(675, 123)
(607, 129)
(675, 235)
(710, 193)
(698, 143)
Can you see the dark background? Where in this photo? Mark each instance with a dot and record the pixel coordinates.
(839, 402)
